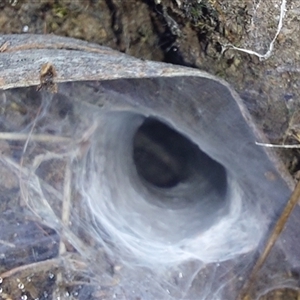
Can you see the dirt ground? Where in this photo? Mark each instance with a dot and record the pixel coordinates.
(199, 34)
(192, 33)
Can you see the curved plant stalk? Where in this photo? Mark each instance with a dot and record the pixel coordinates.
(279, 226)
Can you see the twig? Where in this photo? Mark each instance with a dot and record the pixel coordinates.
(41, 265)
(65, 216)
(34, 137)
(5, 243)
(48, 156)
(277, 145)
(4, 46)
(66, 204)
(279, 226)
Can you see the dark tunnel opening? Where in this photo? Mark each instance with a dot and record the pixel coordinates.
(165, 158)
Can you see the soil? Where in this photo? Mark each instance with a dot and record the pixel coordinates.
(195, 34)
(198, 34)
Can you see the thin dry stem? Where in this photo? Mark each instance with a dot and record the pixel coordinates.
(65, 217)
(46, 138)
(277, 145)
(4, 46)
(279, 226)
(37, 267)
(48, 156)
(5, 243)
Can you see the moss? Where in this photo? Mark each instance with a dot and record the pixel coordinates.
(60, 11)
(200, 12)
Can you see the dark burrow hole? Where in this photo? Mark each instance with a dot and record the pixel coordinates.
(164, 158)
(161, 154)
